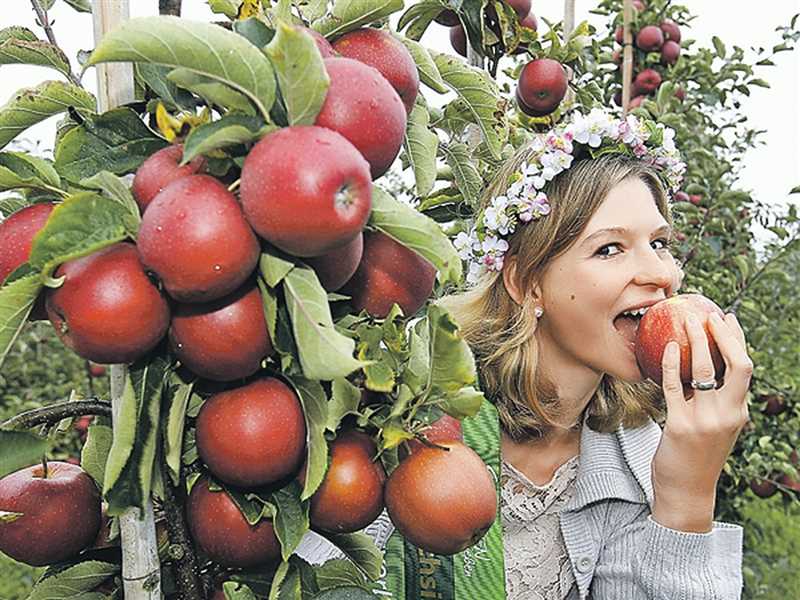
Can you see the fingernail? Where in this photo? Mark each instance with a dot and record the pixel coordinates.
(692, 321)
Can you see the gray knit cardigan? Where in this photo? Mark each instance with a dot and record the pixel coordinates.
(618, 552)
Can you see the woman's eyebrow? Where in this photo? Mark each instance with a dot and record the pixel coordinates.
(663, 230)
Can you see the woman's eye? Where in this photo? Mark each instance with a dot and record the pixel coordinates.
(661, 244)
(608, 250)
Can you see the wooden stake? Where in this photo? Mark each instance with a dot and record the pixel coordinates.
(141, 571)
(627, 55)
(569, 26)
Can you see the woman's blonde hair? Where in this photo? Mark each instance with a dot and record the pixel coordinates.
(501, 332)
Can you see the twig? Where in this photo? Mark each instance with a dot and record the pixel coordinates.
(50, 415)
(41, 15)
(169, 7)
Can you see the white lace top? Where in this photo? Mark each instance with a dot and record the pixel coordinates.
(536, 562)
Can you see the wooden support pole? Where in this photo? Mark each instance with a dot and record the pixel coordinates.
(141, 571)
(627, 55)
(569, 26)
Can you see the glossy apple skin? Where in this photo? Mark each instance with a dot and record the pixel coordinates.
(161, 169)
(670, 52)
(335, 268)
(389, 273)
(379, 49)
(107, 310)
(195, 238)
(542, 85)
(442, 500)
(61, 513)
(671, 31)
(351, 495)
(220, 529)
(664, 322)
(307, 190)
(650, 38)
(444, 429)
(324, 46)
(647, 81)
(17, 233)
(364, 107)
(222, 340)
(252, 435)
(458, 39)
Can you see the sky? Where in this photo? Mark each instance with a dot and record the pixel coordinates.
(769, 171)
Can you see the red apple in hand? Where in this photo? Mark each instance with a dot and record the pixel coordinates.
(351, 494)
(664, 322)
(60, 513)
(442, 500)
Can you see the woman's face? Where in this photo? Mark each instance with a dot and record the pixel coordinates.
(619, 262)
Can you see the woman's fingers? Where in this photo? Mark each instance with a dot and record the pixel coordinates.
(738, 366)
(702, 366)
(671, 379)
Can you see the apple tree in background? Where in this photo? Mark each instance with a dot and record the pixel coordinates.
(289, 334)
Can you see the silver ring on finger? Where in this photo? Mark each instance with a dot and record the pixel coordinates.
(703, 386)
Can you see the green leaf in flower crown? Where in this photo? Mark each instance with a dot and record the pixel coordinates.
(115, 141)
(73, 583)
(416, 231)
(204, 48)
(230, 130)
(467, 178)
(347, 15)
(361, 550)
(428, 72)
(129, 470)
(34, 52)
(481, 96)
(420, 144)
(452, 364)
(213, 92)
(291, 517)
(315, 408)
(301, 73)
(16, 301)
(324, 352)
(23, 171)
(82, 224)
(20, 449)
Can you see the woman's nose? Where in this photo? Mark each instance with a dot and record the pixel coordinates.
(656, 270)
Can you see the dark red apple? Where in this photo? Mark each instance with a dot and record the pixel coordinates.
(448, 18)
(161, 169)
(670, 52)
(16, 236)
(381, 50)
(619, 35)
(60, 513)
(336, 267)
(664, 322)
(521, 7)
(649, 39)
(774, 404)
(195, 238)
(222, 340)
(647, 81)
(324, 46)
(763, 488)
(444, 429)
(307, 190)
(389, 273)
(636, 101)
(671, 30)
(220, 529)
(252, 435)
(458, 39)
(542, 85)
(350, 496)
(107, 310)
(442, 500)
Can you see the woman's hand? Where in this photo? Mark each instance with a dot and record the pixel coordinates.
(701, 430)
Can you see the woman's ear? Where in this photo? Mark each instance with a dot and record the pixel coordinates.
(511, 280)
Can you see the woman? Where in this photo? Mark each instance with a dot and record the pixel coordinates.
(596, 500)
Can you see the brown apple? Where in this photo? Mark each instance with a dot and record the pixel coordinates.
(774, 404)
(448, 18)
(664, 322)
(442, 500)
(161, 169)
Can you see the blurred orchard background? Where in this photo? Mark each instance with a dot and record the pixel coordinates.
(40, 370)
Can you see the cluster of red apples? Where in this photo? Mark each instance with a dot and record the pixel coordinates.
(664, 38)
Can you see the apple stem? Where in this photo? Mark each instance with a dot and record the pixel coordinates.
(235, 185)
(44, 467)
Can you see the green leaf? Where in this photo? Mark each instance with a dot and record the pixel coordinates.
(17, 33)
(420, 144)
(418, 17)
(337, 573)
(95, 451)
(82, 224)
(116, 189)
(84, 6)
(315, 408)
(348, 592)
(718, 46)
(72, 581)
(416, 231)
(312, 9)
(286, 585)
(129, 471)
(324, 352)
(213, 92)
(480, 95)
(20, 449)
(301, 73)
(428, 71)
(204, 48)
(229, 8)
(361, 550)
(11, 204)
(19, 171)
(34, 52)
(466, 402)
(348, 15)
(115, 141)
(230, 130)
(255, 31)
(345, 398)
(178, 397)
(468, 179)
(759, 83)
(291, 517)
(16, 302)
(33, 105)
(237, 591)
(452, 363)
(156, 78)
(273, 268)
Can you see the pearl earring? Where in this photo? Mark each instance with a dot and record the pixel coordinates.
(538, 311)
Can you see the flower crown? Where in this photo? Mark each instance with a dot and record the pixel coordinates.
(600, 133)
